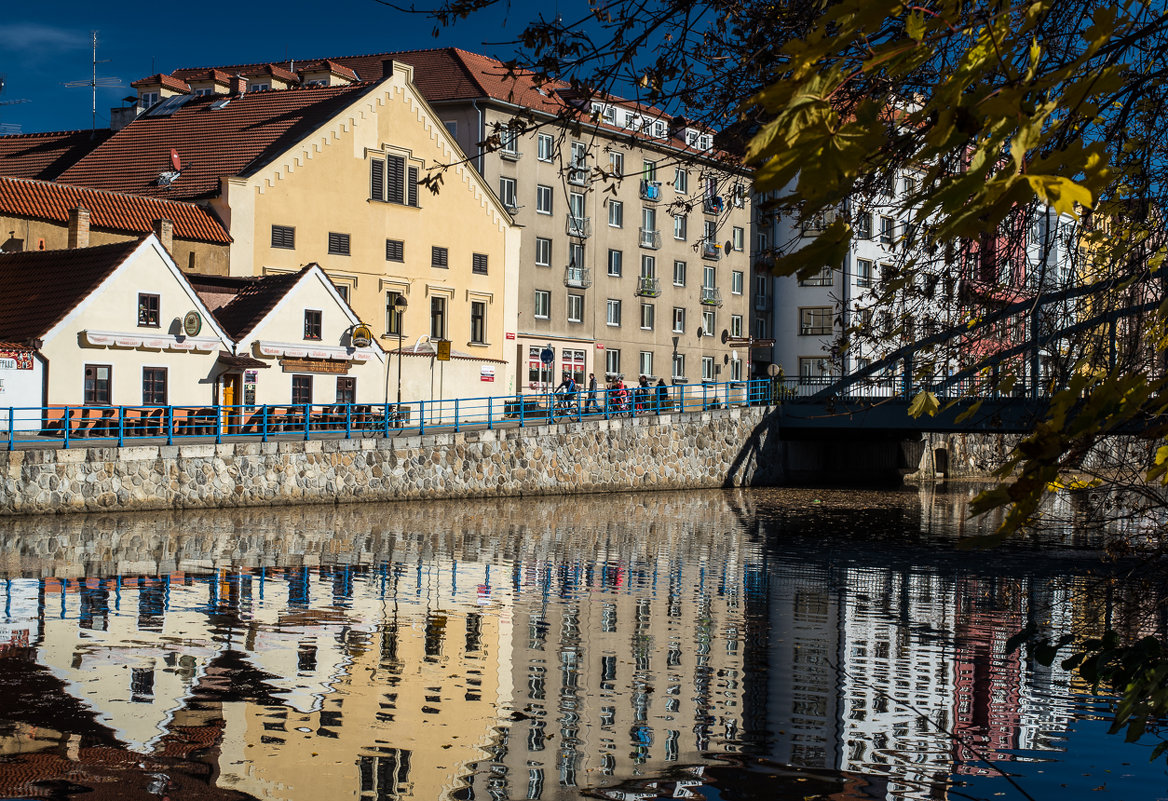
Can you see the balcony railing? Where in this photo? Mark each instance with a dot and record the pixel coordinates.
(711, 250)
(510, 155)
(578, 174)
(577, 277)
(650, 239)
(651, 190)
(579, 226)
(711, 296)
(648, 287)
(762, 302)
(713, 204)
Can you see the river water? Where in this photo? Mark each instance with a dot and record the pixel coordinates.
(761, 644)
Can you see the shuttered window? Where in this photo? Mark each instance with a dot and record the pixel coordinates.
(392, 180)
(439, 257)
(478, 263)
(338, 244)
(377, 179)
(396, 176)
(283, 236)
(412, 187)
(395, 250)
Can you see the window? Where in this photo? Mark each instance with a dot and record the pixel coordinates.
(735, 325)
(509, 142)
(154, 386)
(507, 193)
(543, 304)
(395, 250)
(612, 361)
(545, 149)
(394, 181)
(258, 87)
(679, 273)
(815, 321)
(439, 257)
(575, 254)
(577, 222)
(338, 244)
(813, 369)
(616, 161)
(648, 266)
(760, 328)
(709, 277)
(346, 389)
(708, 322)
(478, 263)
(681, 180)
(575, 308)
(647, 313)
(312, 324)
(578, 172)
(679, 366)
(707, 368)
(147, 99)
(393, 317)
(646, 362)
(736, 282)
(864, 224)
(910, 185)
(342, 291)
(452, 127)
(543, 199)
(478, 322)
(616, 214)
(863, 272)
(543, 252)
(613, 312)
(283, 236)
(763, 241)
(204, 91)
(678, 320)
(535, 368)
(737, 238)
(825, 277)
(888, 184)
(147, 310)
(573, 364)
(679, 226)
(615, 262)
(887, 230)
(301, 389)
(437, 318)
(649, 170)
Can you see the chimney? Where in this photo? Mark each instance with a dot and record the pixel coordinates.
(238, 84)
(78, 227)
(164, 230)
(386, 67)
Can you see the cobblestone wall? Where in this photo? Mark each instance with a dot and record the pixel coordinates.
(731, 447)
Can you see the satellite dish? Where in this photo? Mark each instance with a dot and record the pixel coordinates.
(725, 336)
(729, 244)
(175, 161)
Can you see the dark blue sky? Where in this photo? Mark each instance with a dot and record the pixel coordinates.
(43, 46)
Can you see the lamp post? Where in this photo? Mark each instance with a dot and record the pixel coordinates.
(399, 308)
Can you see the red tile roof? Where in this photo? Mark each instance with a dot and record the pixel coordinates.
(42, 286)
(114, 211)
(248, 299)
(213, 75)
(46, 155)
(236, 139)
(166, 81)
(333, 67)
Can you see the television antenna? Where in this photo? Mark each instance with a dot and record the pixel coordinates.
(94, 82)
(9, 127)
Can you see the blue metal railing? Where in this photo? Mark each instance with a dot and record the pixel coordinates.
(75, 426)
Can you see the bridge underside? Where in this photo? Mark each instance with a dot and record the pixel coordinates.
(889, 417)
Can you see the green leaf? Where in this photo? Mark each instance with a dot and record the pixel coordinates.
(925, 403)
(1063, 194)
(914, 26)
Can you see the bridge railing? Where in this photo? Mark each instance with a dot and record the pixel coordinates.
(82, 426)
(894, 386)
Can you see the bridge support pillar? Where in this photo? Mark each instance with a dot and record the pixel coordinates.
(852, 459)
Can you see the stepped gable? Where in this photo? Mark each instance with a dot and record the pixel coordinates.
(114, 211)
(46, 155)
(42, 286)
(215, 136)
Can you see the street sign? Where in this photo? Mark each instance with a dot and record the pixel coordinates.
(748, 342)
(444, 350)
(547, 355)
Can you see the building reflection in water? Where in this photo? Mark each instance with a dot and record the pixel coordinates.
(523, 649)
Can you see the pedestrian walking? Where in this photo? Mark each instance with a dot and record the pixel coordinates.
(662, 395)
(591, 404)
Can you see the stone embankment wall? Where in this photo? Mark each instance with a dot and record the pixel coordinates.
(964, 455)
(730, 447)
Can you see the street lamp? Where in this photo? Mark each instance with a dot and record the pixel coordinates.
(399, 308)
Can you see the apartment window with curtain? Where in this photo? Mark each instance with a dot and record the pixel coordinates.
(575, 308)
(681, 180)
(646, 362)
(507, 192)
(612, 361)
(679, 273)
(613, 312)
(616, 214)
(616, 163)
(678, 365)
(545, 147)
(543, 304)
(615, 263)
(543, 252)
(679, 226)
(543, 199)
(678, 320)
(647, 316)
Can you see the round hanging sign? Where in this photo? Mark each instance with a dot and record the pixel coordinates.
(362, 336)
(192, 323)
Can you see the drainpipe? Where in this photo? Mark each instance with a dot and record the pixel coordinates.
(478, 158)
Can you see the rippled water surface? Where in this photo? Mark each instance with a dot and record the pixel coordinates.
(739, 645)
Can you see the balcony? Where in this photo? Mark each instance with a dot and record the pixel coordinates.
(711, 250)
(578, 175)
(509, 155)
(713, 204)
(650, 239)
(648, 287)
(762, 302)
(711, 296)
(577, 277)
(651, 191)
(579, 226)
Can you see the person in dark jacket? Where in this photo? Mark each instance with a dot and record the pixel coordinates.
(591, 404)
(662, 395)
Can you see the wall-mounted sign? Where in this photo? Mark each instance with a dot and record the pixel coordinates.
(599, 346)
(361, 337)
(192, 323)
(510, 336)
(15, 360)
(330, 366)
(487, 372)
(444, 350)
(249, 387)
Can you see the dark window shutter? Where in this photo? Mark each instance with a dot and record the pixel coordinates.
(479, 263)
(438, 257)
(394, 250)
(396, 167)
(377, 179)
(412, 187)
(338, 244)
(283, 236)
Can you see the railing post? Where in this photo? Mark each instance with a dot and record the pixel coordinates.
(490, 420)
(11, 419)
(264, 422)
(219, 424)
(68, 421)
(385, 418)
(608, 404)
(579, 405)
(121, 426)
(706, 396)
(456, 415)
(522, 410)
(422, 417)
(307, 421)
(348, 421)
(169, 425)
(906, 379)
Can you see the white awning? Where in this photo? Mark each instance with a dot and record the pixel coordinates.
(118, 339)
(299, 350)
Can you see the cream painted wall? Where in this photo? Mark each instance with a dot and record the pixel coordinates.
(113, 307)
(321, 185)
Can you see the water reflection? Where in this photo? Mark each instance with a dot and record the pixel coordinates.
(538, 649)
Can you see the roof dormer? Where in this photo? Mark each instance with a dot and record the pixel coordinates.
(159, 87)
(211, 82)
(326, 73)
